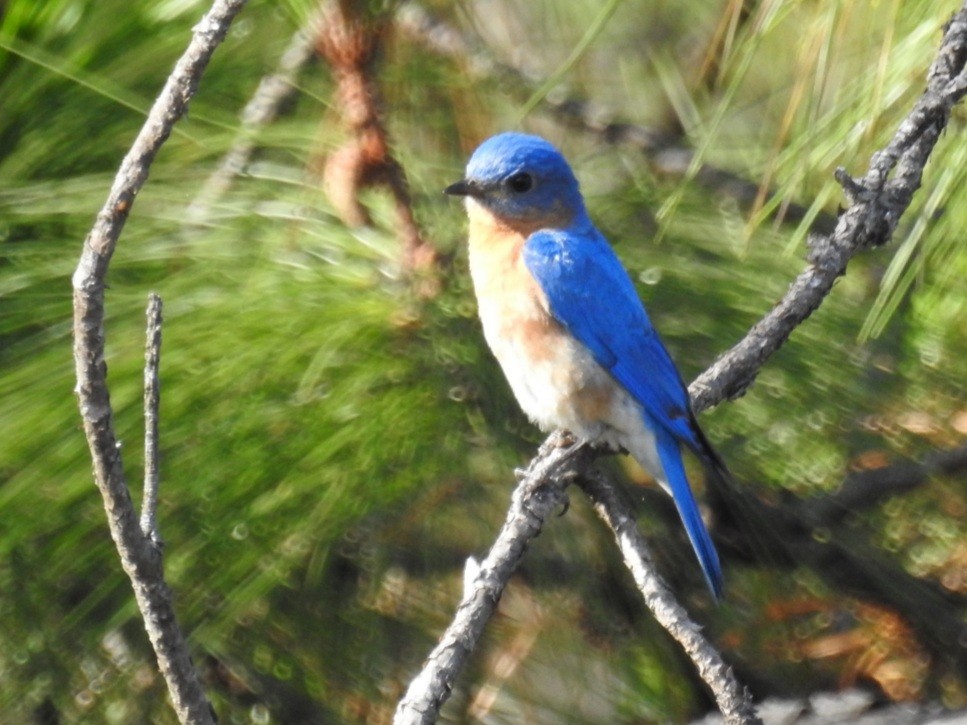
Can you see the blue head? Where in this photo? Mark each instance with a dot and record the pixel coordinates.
(521, 178)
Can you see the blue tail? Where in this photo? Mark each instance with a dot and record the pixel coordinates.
(671, 461)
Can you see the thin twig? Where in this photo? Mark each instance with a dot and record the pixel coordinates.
(351, 39)
(152, 402)
(869, 487)
(733, 700)
(877, 203)
(665, 151)
(261, 110)
(540, 491)
(140, 559)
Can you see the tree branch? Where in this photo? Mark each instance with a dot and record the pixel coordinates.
(152, 401)
(261, 110)
(666, 151)
(350, 41)
(540, 491)
(867, 488)
(733, 700)
(140, 558)
(876, 204)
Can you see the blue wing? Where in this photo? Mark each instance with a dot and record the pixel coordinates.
(590, 293)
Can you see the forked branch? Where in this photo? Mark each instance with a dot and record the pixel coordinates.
(877, 201)
(140, 556)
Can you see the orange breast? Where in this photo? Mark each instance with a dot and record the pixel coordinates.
(554, 377)
(512, 304)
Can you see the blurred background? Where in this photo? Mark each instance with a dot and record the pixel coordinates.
(335, 437)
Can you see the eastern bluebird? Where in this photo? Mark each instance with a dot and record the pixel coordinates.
(565, 322)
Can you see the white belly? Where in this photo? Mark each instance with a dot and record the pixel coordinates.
(556, 380)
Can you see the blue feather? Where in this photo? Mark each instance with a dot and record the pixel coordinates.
(523, 181)
(590, 293)
(671, 460)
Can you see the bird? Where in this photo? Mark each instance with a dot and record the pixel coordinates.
(565, 322)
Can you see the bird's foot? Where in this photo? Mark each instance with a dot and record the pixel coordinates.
(565, 503)
(565, 439)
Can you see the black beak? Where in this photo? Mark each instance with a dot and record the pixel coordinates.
(462, 188)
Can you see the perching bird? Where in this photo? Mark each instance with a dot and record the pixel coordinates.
(565, 322)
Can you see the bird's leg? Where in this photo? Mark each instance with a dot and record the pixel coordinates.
(566, 503)
(557, 440)
(605, 448)
(564, 439)
(576, 446)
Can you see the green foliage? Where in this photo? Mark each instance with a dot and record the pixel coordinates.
(334, 446)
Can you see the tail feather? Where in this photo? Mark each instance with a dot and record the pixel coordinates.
(671, 460)
(751, 531)
(702, 448)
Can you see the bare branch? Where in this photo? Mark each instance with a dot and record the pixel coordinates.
(152, 401)
(666, 151)
(540, 491)
(140, 559)
(869, 487)
(261, 110)
(877, 203)
(350, 40)
(733, 700)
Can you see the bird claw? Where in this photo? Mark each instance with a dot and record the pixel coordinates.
(565, 439)
(566, 504)
(609, 448)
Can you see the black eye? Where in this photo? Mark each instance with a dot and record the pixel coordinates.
(519, 183)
